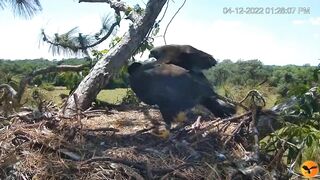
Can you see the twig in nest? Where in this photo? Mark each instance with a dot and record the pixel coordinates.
(102, 129)
(148, 171)
(277, 157)
(255, 132)
(235, 118)
(138, 165)
(236, 131)
(75, 96)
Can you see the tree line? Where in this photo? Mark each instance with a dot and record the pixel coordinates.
(288, 80)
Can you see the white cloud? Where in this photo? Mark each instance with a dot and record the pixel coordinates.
(21, 38)
(236, 40)
(315, 21)
(298, 22)
(223, 39)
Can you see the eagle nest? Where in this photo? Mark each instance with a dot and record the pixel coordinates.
(123, 143)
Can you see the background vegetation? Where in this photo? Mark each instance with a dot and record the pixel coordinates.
(275, 82)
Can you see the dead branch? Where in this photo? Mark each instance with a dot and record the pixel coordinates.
(9, 90)
(8, 98)
(235, 131)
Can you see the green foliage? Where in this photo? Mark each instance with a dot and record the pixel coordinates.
(119, 79)
(68, 79)
(114, 42)
(244, 73)
(288, 80)
(12, 71)
(292, 80)
(130, 98)
(47, 86)
(301, 133)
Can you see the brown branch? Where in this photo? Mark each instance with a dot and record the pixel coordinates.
(9, 90)
(60, 68)
(8, 98)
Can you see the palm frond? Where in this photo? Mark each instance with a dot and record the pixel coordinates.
(69, 43)
(25, 8)
(83, 41)
(3, 4)
(107, 23)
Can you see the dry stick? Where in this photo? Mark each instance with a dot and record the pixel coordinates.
(235, 118)
(103, 129)
(148, 170)
(75, 96)
(235, 132)
(278, 157)
(255, 94)
(213, 125)
(255, 132)
(137, 165)
(234, 102)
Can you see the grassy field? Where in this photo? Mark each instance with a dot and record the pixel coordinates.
(239, 92)
(113, 96)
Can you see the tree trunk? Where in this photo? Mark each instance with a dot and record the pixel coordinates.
(100, 74)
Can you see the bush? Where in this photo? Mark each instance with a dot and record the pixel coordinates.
(130, 98)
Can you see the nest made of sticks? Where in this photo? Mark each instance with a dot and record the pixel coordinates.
(120, 145)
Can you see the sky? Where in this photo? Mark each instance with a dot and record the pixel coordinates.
(287, 33)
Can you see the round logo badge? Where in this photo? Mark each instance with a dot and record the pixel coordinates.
(309, 169)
